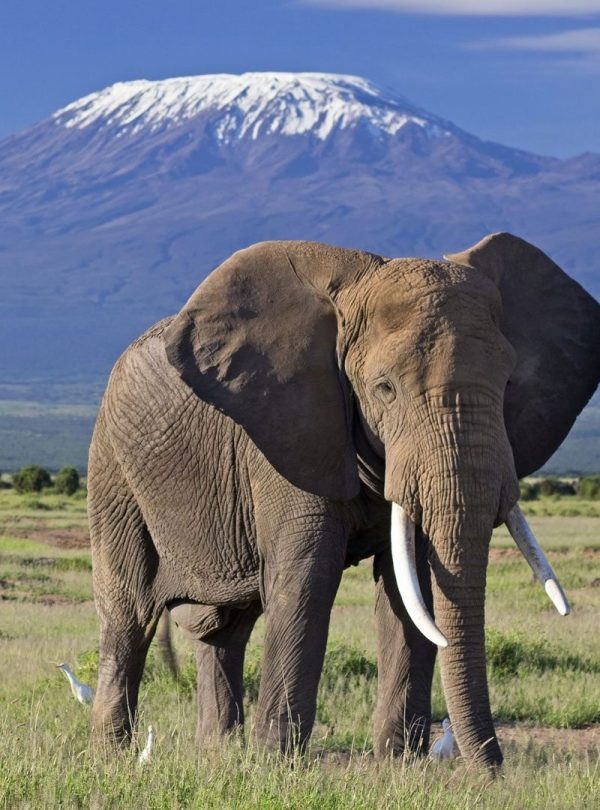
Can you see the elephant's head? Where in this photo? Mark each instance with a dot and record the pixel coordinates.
(462, 376)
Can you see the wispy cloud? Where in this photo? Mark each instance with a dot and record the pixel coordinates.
(475, 8)
(575, 41)
(575, 50)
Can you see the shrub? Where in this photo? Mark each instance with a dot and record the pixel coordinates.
(553, 486)
(35, 503)
(529, 492)
(67, 481)
(32, 478)
(589, 488)
(510, 654)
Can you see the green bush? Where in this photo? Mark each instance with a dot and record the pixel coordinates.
(529, 492)
(35, 503)
(510, 654)
(67, 481)
(589, 488)
(553, 486)
(32, 478)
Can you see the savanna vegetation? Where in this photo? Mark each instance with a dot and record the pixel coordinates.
(544, 677)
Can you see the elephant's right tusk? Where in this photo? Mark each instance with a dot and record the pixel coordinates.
(532, 551)
(405, 569)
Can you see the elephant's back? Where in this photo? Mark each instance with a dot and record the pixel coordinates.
(155, 332)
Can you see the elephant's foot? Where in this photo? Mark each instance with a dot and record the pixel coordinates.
(400, 735)
(110, 733)
(283, 737)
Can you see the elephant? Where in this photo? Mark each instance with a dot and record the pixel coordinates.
(309, 407)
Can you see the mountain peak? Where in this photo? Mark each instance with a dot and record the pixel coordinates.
(250, 105)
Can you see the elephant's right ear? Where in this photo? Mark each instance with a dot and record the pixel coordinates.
(554, 327)
(259, 343)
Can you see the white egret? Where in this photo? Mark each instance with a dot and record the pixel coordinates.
(145, 754)
(83, 692)
(444, 746)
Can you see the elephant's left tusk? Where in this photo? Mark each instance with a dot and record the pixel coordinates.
(405, 569)
(532, 551)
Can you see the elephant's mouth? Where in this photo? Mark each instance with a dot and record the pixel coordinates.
(405, 569)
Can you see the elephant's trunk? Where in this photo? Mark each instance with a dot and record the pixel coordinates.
(459, 599)
(463, 481)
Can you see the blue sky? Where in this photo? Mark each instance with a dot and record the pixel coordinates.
(521, 72)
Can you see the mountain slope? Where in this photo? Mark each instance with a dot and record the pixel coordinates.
(114, 208)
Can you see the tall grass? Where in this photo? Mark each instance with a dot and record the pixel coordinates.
(544, 675)
(45, 762)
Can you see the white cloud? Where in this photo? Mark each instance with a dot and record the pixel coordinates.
(479, 8)
(580, 40)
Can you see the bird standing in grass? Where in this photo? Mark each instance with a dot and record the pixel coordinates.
(145, 754)
(83, 692)
(443, 747)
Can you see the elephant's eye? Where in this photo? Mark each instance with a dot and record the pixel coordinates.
(385, 390)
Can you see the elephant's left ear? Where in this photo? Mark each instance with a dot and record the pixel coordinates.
(554, 326)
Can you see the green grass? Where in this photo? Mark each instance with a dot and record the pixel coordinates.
(556, 506)
(47, 500)
(30, 515)
(544, 672)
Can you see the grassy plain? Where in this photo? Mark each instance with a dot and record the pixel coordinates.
(544, 677)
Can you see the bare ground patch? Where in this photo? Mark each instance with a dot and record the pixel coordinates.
(561, 740)
(504, 554)
(516, 737)
(58, 538)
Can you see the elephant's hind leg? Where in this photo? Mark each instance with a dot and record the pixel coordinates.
(125, 564)
(220, 659)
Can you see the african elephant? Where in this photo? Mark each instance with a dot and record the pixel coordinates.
(309, 407)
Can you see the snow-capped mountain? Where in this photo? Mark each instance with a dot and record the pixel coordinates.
(114, 208)
(249, 106)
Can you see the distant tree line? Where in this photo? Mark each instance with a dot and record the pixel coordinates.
(34, 478)
(586, 488)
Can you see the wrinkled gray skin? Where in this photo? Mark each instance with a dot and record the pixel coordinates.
(248, 449)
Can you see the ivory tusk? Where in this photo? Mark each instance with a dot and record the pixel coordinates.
(405, 569)
(530, 548)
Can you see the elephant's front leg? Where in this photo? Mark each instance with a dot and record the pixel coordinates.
(299, 592)
(405, 661)
(220, 658)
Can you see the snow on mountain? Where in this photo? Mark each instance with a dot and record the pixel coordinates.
(249, 106)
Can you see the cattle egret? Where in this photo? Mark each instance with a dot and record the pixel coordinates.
(443, 747)
(83, 692)
(145, 754)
